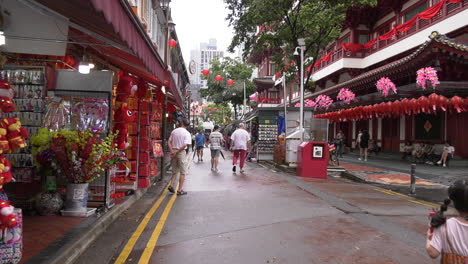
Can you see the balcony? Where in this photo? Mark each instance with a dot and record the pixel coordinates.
(451, 17)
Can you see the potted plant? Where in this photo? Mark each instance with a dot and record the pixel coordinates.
(83, 156)
(49, 201)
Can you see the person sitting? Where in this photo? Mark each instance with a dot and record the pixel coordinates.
(418, 152)
(428, 152)
(407, 150)
(373, 147)
(446, 154)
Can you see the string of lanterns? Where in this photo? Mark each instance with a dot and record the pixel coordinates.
(428, 105)
(218, 78)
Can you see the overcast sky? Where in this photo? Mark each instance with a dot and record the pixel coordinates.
(198, 21)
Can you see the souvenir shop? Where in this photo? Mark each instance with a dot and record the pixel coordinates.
(79, 132)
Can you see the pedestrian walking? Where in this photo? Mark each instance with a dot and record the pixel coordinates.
(216, 141)
(193, 140)
(449, 237)
(200, 142)
(178, 141)
(363, 144)
(240, 143)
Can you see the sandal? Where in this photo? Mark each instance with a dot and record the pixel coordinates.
(171, 189)
(181, 192)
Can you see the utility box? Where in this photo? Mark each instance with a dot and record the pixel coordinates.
(312, 159)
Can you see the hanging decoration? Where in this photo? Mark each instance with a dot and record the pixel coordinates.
(346, 95)
(230, 82)
(172, 43)
(427, 75)
(310, 103)
(254, 97)
(429, 105)
(384, 85)
(205, 72)
(323, 101)
(218, 78)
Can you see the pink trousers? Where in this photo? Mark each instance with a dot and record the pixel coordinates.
(237, 153)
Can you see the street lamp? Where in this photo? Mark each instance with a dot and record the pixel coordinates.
(301, 47)
(164, 4)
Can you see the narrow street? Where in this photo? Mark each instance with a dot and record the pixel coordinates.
(265, 216)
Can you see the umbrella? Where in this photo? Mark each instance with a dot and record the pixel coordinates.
(222, 154)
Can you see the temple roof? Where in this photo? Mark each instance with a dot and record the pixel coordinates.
(373, 75)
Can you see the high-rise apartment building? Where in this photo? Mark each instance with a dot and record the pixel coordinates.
(203, 58)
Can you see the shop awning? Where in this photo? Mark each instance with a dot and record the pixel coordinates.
(96, 21)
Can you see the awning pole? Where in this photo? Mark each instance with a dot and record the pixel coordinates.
(285, 107)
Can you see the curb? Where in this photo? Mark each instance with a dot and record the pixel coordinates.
(67, 249)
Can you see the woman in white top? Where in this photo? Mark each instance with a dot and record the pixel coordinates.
(449, 238)
(448, 150)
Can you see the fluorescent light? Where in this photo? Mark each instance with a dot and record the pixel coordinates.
(83, 68)
(2, 38)
(91, 65)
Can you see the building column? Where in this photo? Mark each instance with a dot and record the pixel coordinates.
(402, 128)
(379, 132)
(370, 128)
(334, 130)
(353, 142)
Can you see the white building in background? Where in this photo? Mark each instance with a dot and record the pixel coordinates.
(203, 58)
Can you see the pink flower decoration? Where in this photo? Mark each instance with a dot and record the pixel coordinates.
(346, 95)
(310, 103)
(427, 74)
(297, 105)
(384, 85)
(323, 101)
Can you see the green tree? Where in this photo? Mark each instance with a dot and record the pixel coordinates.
(218, 113)
(319, 22)
(221, 92)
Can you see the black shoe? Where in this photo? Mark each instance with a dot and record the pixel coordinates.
(234, 168)
(171, 189)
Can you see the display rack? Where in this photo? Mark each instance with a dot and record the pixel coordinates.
(29, 84)
(267, 136)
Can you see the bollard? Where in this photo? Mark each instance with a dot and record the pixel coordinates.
(413, 179)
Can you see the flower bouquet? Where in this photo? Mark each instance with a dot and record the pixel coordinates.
(427, 75)
(384, 85)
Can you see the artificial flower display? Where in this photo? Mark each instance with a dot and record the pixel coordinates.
(346, 95)
(84, 155)
(425, 75)
(323, 101)
(384, 85)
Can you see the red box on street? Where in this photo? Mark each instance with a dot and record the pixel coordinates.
(143, 182)
(312, 159)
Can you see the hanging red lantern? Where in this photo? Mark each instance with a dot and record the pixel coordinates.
(172, 43)
(205, 72)
(218, 78)
(433, 100)
(443, 102)
(457, 103)
(209, 108)
(414, 106)
(216, 109)
(424, 104)
(230, 82)
(405, 106)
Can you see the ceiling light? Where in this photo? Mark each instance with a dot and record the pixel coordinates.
(84, 68)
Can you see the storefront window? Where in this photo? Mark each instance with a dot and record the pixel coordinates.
(427, 127)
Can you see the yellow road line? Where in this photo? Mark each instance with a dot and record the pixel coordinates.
(408, 198)
(145, 257)
(141, 227)
(263, 166)
(274, 171)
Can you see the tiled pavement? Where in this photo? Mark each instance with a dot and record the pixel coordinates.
(41, 231)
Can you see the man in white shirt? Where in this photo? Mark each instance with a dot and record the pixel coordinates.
(240, 143)
(179, 140)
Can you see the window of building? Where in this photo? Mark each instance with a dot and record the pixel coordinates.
(418, 9)
(346, 39)
(363, 38)
(273, 69)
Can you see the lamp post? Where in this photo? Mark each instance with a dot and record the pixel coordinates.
(301, 47)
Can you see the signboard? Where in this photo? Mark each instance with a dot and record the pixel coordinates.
(317, 152)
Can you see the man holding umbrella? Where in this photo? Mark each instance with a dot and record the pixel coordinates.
(216, 141)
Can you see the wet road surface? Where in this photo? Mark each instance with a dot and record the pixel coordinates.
(264, 216)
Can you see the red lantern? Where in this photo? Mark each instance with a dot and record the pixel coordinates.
(218, 78)
(205, 72)
(433, 100)
(230, 82)
(209, 108)
(424, 104)
(216, 109)
(443, 103)
(172, 43)
(457, 103)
